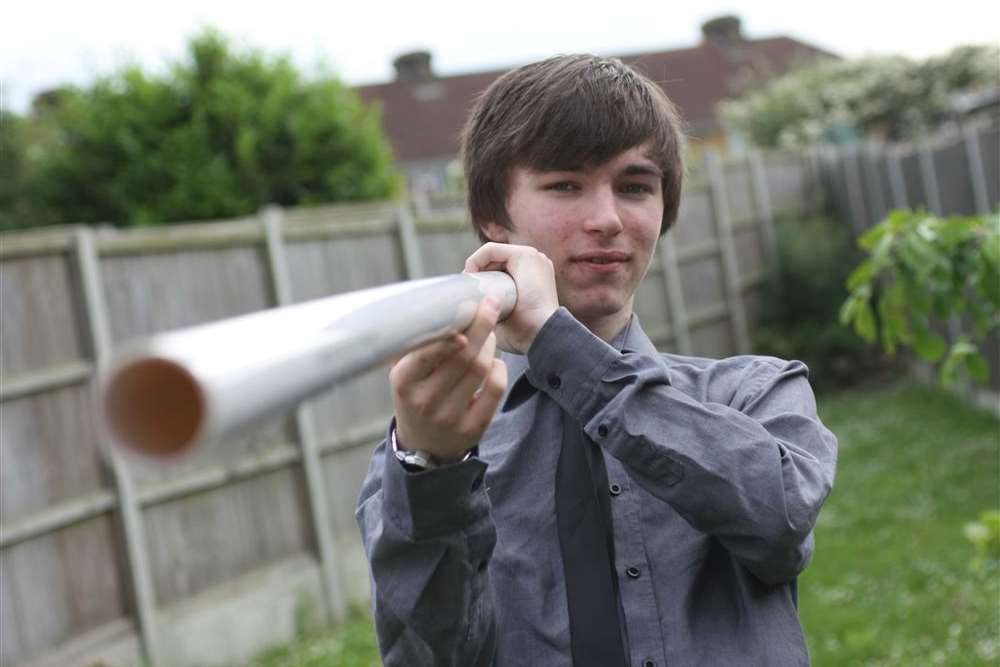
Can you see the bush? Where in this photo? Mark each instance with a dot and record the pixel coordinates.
(799, 317)
(221, 134)
(922, 270)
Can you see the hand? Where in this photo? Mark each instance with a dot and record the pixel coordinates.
(445, 393)
(537, 298)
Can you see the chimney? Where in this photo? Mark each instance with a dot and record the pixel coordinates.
(725, 32)
(413, 67)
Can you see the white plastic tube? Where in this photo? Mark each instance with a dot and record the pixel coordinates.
(171, 394)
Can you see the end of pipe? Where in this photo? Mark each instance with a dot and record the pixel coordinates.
(153, 406)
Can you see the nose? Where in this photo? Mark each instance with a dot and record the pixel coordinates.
(603, 216)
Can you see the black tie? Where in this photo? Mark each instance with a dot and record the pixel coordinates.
(584, 539)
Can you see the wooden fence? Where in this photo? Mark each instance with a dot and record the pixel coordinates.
(99, 556)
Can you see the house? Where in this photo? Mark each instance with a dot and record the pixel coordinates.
(423, 113)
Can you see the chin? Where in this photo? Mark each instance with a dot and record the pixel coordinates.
(596, 307)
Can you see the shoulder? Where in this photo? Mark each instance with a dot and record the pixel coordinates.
(730, 381)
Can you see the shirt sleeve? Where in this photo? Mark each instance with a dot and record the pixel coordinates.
(752, 471)
(429, 537)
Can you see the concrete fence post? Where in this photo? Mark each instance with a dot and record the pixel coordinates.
(896, 180)
(765, 215)
(849, 159)
(730, 269)
(976, 170)
(409, 241)
(675, 295)
(140, 582)
(319, 509)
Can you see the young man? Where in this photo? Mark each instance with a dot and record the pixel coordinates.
(586, 500)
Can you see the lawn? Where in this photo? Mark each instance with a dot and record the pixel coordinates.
(891, 582)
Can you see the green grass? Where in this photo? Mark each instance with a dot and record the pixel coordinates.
(352, 644)
(891, 582)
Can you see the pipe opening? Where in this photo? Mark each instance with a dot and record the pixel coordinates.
(154, 406)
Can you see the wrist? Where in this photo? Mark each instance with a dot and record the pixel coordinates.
(416, 460)
(535, 328)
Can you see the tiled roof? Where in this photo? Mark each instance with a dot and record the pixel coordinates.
(423, 119)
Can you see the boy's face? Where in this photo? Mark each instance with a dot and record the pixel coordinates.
(598, 224)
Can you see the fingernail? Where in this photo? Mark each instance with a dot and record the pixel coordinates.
(492, 303)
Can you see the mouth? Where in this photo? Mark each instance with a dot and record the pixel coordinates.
(601, 261)
(601, 257)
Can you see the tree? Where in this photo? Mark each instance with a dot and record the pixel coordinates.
(221, 134)
(889, 97)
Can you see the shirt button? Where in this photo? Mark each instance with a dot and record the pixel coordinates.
(555, 381)
(648, 663)
(615, 489)
(602, 430)
(632, 572)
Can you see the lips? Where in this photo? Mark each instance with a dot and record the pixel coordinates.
(601, 257)
(601, 262)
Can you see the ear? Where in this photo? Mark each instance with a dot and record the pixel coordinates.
(496, 232)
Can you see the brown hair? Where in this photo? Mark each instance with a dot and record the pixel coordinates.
(561, 114)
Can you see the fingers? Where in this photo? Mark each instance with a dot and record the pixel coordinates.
(484, 404)
(428, 374)
(466, 386)
(453, 368)
(419, 364)
(495, 256)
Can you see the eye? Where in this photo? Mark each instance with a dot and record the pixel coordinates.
(562, 186)
(636, 189)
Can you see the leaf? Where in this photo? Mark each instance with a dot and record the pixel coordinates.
(848, 309)
(949, 369)
(864, 322)
(868, 240)
(978, 368)
(861, 275)
(928, 344)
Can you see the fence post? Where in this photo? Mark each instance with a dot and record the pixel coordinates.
(129, 509)
(878, 207)
(422, 203)
(730, 270)
(929, 176)
(815, 161)
(976, 170)
(413, 262)
(765, 216)
(859, 221)
(675, 295)
(896, 180)
(319, 508)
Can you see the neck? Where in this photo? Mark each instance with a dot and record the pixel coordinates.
(607, 328)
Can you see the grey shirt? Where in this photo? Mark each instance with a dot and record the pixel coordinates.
(717, 470)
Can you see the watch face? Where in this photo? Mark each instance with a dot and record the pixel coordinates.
(419, 460)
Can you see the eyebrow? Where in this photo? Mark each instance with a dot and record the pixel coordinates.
(634, 169)
(641, 170)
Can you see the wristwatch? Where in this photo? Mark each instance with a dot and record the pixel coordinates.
(416, 460)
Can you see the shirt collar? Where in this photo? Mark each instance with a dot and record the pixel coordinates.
(631, 339)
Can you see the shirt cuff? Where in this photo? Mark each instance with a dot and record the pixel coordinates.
(433, 502)
(567, 361)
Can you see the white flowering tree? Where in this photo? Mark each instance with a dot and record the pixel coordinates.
(888, 97)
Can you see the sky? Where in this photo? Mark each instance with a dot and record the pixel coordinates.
(44, 43)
